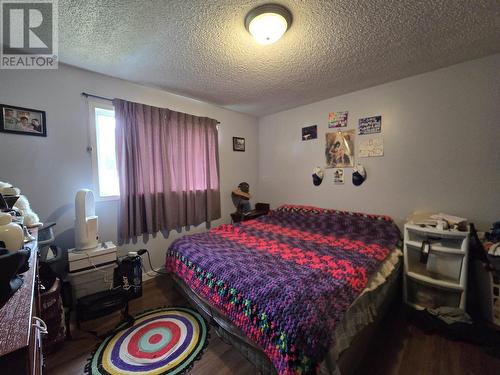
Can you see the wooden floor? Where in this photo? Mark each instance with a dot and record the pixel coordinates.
(403, 350)
(406, 349)
(218, 358)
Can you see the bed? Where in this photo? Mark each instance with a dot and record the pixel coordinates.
(295, 289)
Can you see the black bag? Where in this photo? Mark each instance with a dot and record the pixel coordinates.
(128, 275)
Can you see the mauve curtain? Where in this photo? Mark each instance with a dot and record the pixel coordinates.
(168, 167)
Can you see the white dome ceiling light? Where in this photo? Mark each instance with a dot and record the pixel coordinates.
(267, 23)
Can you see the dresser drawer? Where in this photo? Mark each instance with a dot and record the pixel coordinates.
(440, 265)
(20, 341)
(430, 296)
(36, 360)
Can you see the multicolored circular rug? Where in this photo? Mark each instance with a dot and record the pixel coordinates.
(162, 341)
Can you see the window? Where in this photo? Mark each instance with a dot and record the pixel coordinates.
(102, 134)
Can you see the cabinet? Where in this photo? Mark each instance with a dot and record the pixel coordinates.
(20, 328)
(435, 264)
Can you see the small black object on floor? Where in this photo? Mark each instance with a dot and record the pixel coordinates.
(127, 285)
(477, 333)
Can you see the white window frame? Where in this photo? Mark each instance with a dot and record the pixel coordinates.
(93, 104)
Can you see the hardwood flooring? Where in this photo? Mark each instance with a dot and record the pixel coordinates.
(404, 349)
(218, 358)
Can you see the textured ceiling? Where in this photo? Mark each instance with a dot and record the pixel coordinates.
(201, 48)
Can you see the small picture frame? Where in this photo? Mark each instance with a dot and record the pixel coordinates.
(310, 132)
(24, 121)
(238, 144)
(338, 176)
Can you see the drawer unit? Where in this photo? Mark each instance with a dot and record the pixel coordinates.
(91, 281)
(20, 328)
(435, 267)
(423, 295)
(417, 235)
(440, 265)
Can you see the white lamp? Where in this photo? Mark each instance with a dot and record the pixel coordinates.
(267, 23)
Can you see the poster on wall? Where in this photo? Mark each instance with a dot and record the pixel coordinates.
(338, 176)
(370, 125)
(337, 119)
(310, 132)
(372, 146)
(339, 149)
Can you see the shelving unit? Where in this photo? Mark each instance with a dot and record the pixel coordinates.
(440, 279)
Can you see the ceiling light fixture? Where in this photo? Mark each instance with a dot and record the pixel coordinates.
(267, 23)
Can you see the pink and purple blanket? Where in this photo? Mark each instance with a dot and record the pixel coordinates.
(288, 278)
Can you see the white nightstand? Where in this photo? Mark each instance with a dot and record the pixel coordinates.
(440, 278)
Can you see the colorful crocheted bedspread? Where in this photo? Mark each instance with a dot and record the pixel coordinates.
(288, 278)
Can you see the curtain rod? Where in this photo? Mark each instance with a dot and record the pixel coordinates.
(104, 98)
(96, 96)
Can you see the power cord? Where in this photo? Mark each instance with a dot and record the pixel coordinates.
(105, 273)
(141, 252)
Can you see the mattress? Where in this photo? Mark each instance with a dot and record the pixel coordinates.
(364, 310)
(288, 279)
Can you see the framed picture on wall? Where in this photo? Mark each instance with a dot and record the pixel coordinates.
(339, 150)
(310, 132)
(25, 121)
(238, 144)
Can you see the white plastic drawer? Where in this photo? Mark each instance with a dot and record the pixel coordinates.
(91, 281)
(439, 266)
(428, 296)
(452, 243)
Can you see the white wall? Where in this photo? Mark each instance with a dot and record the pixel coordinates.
(440, 129)
(50, 170)
(442, 153)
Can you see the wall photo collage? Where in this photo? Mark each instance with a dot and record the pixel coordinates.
(340, 145)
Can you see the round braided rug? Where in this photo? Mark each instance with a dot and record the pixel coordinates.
(162, 341)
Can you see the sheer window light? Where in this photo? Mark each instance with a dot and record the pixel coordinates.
(104, 155)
